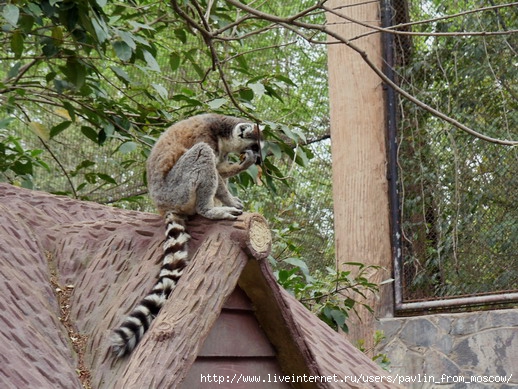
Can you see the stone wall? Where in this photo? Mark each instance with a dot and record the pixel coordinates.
(450, 350)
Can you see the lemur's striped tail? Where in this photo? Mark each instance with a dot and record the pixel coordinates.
(127, 336)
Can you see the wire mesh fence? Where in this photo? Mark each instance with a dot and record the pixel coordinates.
(458, 193)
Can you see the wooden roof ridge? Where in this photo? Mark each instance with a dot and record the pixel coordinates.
(167, 351)
(110, 258)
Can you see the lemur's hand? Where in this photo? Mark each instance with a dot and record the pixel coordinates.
(248, 158)
(253, 154)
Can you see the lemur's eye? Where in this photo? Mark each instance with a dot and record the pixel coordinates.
(242, 128)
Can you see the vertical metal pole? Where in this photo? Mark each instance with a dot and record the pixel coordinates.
(392, 149)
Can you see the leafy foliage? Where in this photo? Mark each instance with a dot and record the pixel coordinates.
(16, 162)
(331, 294)
(116, 74)
(380, 358)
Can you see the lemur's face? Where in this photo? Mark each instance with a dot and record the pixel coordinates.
(250, 134)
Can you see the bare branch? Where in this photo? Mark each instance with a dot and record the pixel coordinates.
(62, 168)
(446, 17)
(72, 187)
(391, 30)
(209, 39)
(292, 23)
(13, 81)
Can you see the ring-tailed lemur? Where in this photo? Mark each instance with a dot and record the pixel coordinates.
(186, 171)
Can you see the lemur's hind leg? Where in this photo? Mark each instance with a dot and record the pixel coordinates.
(225, 197)
(195, 193)
(211, 185)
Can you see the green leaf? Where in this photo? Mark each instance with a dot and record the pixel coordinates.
(71, 110)
(190, 102)
(11, 13)
(101, 137)
(181, 35)
(121, 74)
(246, 94)
(217, 103)
(339, 318)
(174, 61)
(241, 60)
(127, 38)
(33, 9)
(109, 129)
(274, 149)
(301, 158)
(90, 133)
(298, 263)
(127, 147)
(101, 30)
(106, 178)
(82, 165)
(286, 277)
(17, 44)
(69, 15)
(141, 40)
(50, 76)
(14, 70)
(335, 317)
(59, 128)
(140, 26)
(75, 72)
(49, 47)
(91, 178)
(195, 65)
(273, 93)
(4, 123)
(357, 264)
(287, 131)
(151, 61)
(47, 8)
(161, 91)
(258, 89)
(122, 50)
(22, 167)
(284, 79)
(57, 35)
(26, 22)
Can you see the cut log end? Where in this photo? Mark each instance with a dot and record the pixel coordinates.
(260, 237)
(257, 240)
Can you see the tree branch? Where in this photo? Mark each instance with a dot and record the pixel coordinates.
(291, 23)
(391, 30)
(55, 158)
(217, 65)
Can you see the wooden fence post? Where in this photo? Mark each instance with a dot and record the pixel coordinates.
(361, 203)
